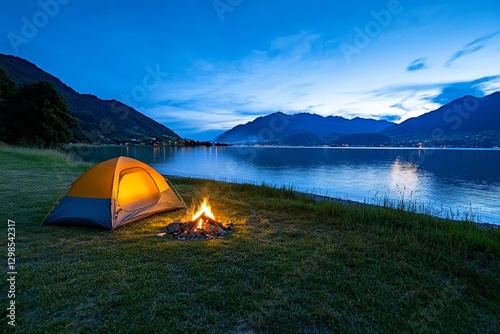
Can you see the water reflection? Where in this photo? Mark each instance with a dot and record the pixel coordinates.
(454, 179)
(406, 182)
(148, 154)
(404, 171)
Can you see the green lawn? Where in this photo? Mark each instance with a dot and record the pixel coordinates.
(292, 265)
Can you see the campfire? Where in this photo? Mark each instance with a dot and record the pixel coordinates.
(202, 225)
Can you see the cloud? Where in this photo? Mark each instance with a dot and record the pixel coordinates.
(416, 99)
(290, 76)
(417, 64)
(302, 72)
(455, 90)
(400, 105)
(471, 47)
(301, 41)
(409, 89)
(390, 118)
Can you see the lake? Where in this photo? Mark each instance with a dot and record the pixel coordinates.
(452, 183)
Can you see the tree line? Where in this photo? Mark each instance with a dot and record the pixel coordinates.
(34, 114)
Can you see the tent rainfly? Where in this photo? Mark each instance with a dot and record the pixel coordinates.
(114, 193)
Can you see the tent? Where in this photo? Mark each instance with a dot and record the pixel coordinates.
(113, 193)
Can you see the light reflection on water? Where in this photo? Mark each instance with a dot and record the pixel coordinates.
(443, 182)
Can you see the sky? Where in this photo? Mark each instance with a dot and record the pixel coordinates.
(201, 67)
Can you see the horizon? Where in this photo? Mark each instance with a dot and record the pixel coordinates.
(203, 67)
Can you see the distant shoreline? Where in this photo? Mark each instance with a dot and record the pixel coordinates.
(299, 146)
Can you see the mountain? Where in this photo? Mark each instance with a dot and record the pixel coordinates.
(299, 129)
(465, 120)
(99, 120)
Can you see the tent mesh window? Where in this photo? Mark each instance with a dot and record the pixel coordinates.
(136, 189)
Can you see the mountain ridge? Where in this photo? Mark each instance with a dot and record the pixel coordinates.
(279, 126)
(108, 121)
(466, 122)
(467, 115)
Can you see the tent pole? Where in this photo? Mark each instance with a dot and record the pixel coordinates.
(175, 191)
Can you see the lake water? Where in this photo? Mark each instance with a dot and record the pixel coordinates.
(453, 183)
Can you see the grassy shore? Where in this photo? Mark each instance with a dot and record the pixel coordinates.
(292, 265)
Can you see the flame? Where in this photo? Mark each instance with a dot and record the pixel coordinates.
(204, 208)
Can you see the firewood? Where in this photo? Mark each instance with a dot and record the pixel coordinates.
(219, 229)
(195, 219)
(207, 218)
(173, 227)
(209, 229)
(188, 226)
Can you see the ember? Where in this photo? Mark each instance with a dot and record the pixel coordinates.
(203, 225)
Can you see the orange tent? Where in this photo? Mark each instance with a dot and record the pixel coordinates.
(113, 193)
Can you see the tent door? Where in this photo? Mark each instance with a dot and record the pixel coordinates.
(136, 189)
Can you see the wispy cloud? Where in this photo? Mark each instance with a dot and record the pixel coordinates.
(472, 47)
(417, 64)
(401, 105)
(290, 76)
(415, 99)
(390, 118)
(304, 73)
(455, 90)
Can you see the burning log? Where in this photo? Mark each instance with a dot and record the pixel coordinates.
(204, 217)
(210, 229)
(186, 227)
(202, 225)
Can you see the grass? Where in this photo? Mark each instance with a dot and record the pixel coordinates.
(293, 264)
(402, 199)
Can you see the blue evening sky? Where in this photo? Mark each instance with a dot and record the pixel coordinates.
(202, 66)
